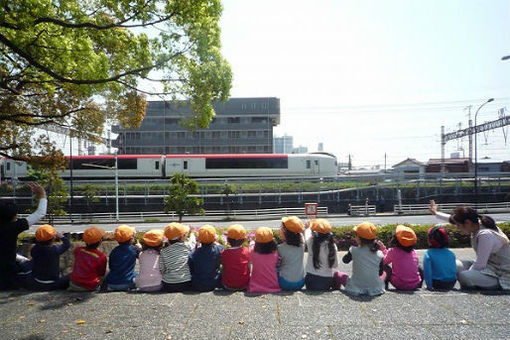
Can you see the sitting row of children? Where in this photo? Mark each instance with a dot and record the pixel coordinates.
(181, 264)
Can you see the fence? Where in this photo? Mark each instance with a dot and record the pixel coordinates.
(485, 208)
(162, 217)
(362, 210)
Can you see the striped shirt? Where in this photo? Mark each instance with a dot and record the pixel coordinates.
(173, 262)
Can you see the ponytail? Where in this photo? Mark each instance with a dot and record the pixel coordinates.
(318, 238)
(488, 222)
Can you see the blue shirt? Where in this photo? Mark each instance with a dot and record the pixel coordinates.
(46, 260)
(439, 264)
(122, 262)
(204, 264)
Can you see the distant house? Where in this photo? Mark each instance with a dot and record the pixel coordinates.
(451, 165)
(409, 166)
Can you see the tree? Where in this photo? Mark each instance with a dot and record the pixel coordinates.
(90, 195)
(179, 200)
(80, 63)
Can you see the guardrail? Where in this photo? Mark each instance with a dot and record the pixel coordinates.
(162, 217)
(362, 210)
(418, 209)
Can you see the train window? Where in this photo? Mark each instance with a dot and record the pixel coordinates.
(308, 164)
(156, 165)
(8, 166)
(246, 163)
(185, 165)
(316, 162)
(90, 164)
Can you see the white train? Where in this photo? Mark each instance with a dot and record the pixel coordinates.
(315, 165)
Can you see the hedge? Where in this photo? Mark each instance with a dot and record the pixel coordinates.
(343, 236)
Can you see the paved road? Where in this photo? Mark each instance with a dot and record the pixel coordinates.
(275, 223)
(225, 315)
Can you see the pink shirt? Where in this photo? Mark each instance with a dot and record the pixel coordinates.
(149, 277)
(404, 267)
(263, 277)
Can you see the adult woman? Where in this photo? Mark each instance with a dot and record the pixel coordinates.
(491, 269)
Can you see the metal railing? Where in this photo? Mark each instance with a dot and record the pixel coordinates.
(362, 210)
(162, 217)
(418, 209)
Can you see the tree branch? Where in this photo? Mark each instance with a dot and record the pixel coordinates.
(50, 72)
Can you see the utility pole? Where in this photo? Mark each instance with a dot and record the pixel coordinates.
(349, 165)
(385, 162)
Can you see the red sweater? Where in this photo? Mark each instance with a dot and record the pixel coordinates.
(236, 272)
(89, 266)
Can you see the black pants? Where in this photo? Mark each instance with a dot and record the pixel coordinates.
(316, 282)
(176, 287)
(61, 283)
(443, 285)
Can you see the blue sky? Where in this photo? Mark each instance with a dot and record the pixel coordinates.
(373, 77)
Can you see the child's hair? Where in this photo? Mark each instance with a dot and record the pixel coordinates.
(291, 238)
(462, 214)
(318, 238)
(265, 248)
(394, 242)
(234, 242)
(93, 245)
(7, 212)
(438, 237)
(366, 242)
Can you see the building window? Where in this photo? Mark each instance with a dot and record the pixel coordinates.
(216, 134)
(252, 134)
(234, 120)
(259, 120)
(196, 134)
(181, 135)
(233, 134)
(266, 134)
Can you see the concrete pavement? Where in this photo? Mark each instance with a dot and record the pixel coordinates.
(225, 315)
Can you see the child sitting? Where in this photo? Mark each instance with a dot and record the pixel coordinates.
(264, 258)
(149, 277)
(235, 260)
(173, 263)
(204, 262)
(322, 256)
(46, 259)
(439, 263)
(291, 275)
(122, 260)
(404, 271)
(367, 263)
(89, 263)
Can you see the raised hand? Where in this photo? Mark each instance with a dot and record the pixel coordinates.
(37, 189)
(432, 207)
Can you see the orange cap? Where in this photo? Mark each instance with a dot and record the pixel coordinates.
(207, 234)
(320, 225)
(366, 230)
(236, 232)
(175, 230)
(153, 238)
(45, 233)
(123, 233)
(263, 235)
(405, 236)
(93, 235)
(293, 223)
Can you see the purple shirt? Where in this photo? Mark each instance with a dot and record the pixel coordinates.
(404, 267)
(263, 277)
(149, 277)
